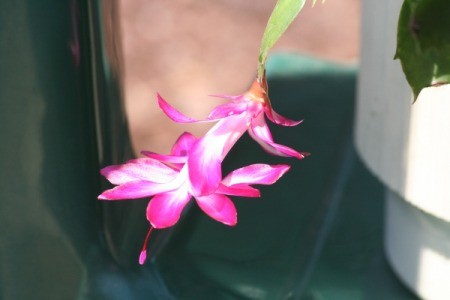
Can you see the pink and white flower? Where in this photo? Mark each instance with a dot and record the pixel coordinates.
(165, 178)
(243, 113)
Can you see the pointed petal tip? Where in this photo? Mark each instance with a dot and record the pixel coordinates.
(255, 174)
(299, 155)
(284, 168)
(101, 197)
(232, 223)
(173, 113)
(278, 119)
(241, 190)
(231, 220)
(105, 196)
(288, 122)
(304, 154)
(143, 257)
(298, 122)
(104, 171)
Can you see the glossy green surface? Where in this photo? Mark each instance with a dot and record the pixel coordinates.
(48, 154)
(61, 119)
(314, 235)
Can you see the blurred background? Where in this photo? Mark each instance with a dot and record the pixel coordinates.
(186, 50)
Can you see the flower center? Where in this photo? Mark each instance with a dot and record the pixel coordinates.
(258, 92)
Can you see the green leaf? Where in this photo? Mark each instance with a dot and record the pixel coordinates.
(282, 16)
(423, 43)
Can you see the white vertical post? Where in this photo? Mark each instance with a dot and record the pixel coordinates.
(408, 148)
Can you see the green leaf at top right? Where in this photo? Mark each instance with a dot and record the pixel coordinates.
(423, 43)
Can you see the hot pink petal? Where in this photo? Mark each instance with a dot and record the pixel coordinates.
(165, 158)
(227, 109)
(206, 156)
(219, 207)
(278, 119)
(139, 169)
(277, 149)
(172, 113)
(255, 174)
(242, 190)
(164, 210)
(259, 131)
(179, 152)
(254, 109)
(183, 144)
(136, 190)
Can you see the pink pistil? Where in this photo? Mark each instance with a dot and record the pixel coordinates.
(143, 255)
